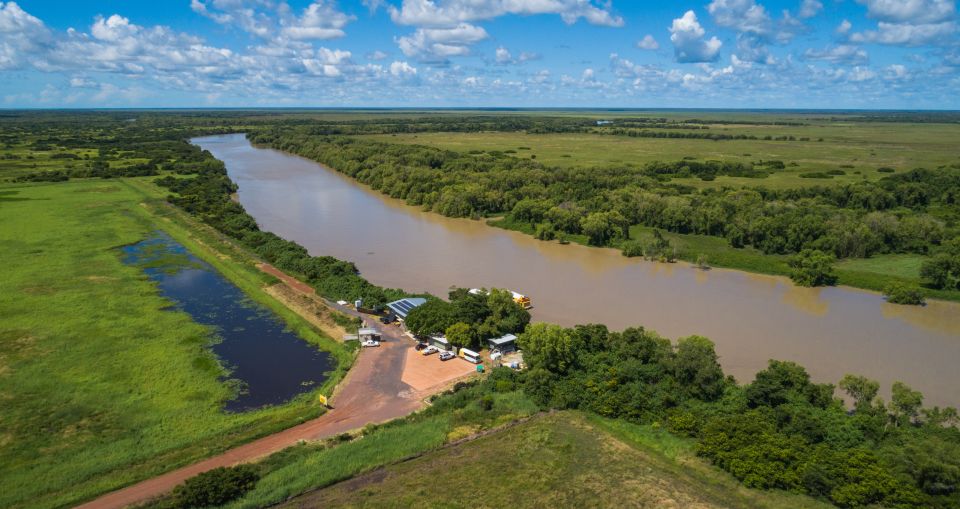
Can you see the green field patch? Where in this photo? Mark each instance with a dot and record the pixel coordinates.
(103, 384)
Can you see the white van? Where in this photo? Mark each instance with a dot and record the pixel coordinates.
(469, 356)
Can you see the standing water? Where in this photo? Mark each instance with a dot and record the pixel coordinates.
(270, 364)
(751, 318)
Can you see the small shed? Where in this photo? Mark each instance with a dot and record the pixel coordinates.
(403, 307)
(440, 342)
(368, 333)
(506, 343)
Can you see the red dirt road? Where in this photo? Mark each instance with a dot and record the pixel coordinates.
(373, 392)
(292, 282)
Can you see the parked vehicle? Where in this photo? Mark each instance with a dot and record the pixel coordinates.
(386, 319)
(430, 350)
(445, 356)
(494, 355)
(420, 346)
(470, 356)
(370, 343)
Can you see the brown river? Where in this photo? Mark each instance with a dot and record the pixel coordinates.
(750, 317)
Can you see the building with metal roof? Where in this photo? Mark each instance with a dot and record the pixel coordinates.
(505, 343)
(403, 307)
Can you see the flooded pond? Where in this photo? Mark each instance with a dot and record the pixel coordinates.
(752, 318)
(270, 364)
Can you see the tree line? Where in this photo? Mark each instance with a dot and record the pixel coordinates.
(910, 212)
(780, 431)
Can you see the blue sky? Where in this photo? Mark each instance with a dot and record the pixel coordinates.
(447, 53)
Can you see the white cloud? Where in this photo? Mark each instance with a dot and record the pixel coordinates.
(910, 11)
(320, 20)
(437, 13)
(809, 8)
(402, 69)
(82, 82)
(843, 28)
(741, 15)
(906, 34)
(858, 74)
(235, 13)
(441, 43)
(503, 56)
(688, 43)
(377, 55)
(648, 43)
(910, 22)
(843, 53)
(21, 36)
(897, 72)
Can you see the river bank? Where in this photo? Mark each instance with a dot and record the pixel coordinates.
(752, 318)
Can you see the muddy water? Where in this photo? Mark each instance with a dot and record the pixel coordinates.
(752, 318)
(267, 362)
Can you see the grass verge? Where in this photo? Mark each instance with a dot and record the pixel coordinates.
(101, 383)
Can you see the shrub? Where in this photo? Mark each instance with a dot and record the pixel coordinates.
(812, 267)
(215, 487)
(486, 402)
(899, 293)
(632, 248)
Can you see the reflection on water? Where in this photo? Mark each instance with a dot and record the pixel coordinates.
(752, 318)
(806, 299)
(270, 363)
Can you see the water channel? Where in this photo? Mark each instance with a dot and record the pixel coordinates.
(270, 363)
(751, 318)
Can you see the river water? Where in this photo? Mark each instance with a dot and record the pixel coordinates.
(268, 362)
(751, 318)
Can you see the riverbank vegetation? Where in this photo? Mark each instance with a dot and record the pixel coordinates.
(102, 383)
(908, 212)
(157, 406)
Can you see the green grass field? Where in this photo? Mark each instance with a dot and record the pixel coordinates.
(101, 383)
(858, 149)
(564, 459)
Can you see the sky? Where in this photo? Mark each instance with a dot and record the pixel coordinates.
(864, 54)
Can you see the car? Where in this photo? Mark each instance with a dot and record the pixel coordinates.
(445, 356)
(430, 350)
(420, 346)
(386, 319)
(370, 343)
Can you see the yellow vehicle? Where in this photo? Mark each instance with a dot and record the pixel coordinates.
(521, 299)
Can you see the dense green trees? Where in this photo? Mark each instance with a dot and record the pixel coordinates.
(469, 317)
(812, 267)
(898, 293)
(909, 212)
(780, 431)
(943, 270)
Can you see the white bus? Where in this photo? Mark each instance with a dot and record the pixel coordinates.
(469, 356)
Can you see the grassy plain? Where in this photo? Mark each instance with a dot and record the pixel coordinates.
(858, 149)
(565, 459)
(101, 383)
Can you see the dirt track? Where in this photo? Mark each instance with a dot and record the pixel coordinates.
(372, 392)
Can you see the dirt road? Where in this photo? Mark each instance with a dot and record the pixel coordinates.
(373, 392)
